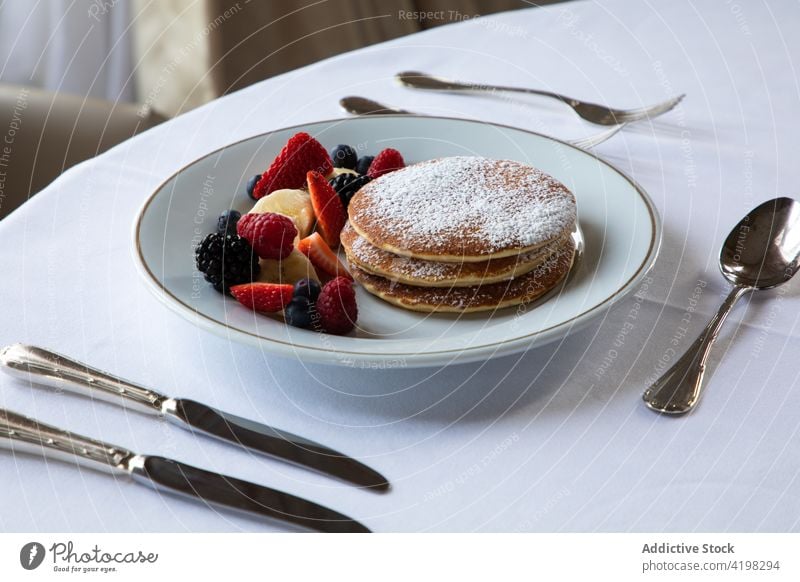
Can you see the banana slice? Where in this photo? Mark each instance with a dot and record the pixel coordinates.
(339, 171)
(296, 204)
(287, 271)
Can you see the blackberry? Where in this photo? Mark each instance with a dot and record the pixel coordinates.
(346, 185)
(226, 223)
(362, 165)
(226, 260)
(344, 156)
(251, 185)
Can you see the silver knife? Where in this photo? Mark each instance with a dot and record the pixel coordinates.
(50, 369)
(27, 435)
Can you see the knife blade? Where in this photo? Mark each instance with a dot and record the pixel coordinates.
(278, 443)
(42, 366)
(26, 435)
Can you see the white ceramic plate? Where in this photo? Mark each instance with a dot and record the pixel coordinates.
(619, 223)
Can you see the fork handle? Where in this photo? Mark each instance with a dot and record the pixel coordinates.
(50, 369)
(22, 434)
(458, 86)
(678, 390)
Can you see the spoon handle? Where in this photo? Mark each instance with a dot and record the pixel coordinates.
(678, 390)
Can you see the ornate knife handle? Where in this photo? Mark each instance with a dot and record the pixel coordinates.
(50, 369)
(27, 435)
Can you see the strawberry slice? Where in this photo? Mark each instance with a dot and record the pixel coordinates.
(322, 257)
(301, 154)
(327, 207)
(265, 297)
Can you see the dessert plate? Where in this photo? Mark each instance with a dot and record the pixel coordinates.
(620, 227)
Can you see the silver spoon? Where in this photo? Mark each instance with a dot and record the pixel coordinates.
(363, 106)
(761, 252)
(591, 112)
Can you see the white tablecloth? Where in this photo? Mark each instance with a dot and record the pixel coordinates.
(557, 440)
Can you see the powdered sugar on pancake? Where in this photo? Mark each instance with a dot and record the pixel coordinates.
(464, 204)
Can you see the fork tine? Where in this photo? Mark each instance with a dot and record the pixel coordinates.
(593, 140)
(630, 115)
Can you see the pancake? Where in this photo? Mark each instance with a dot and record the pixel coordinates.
(524, 289)
(436, 274)
(463, 209)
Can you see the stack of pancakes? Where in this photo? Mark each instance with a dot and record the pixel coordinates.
(461, 234)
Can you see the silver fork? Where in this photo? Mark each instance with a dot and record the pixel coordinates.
(599, 114)
(363, 106)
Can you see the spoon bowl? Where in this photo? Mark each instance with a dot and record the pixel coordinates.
(763, 250)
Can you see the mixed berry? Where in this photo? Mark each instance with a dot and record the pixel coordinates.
(281, 256)
(346, 185)
(344, 156)
(251, 185)
(226, 260)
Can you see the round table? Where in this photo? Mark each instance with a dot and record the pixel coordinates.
(554, 440)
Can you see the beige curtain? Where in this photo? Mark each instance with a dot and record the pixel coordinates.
(171, 54)
(263, 38)
(187, 52)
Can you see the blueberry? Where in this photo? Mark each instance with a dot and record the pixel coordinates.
(307, 288)
(227, 221)
(344, 156)
(251, 185)
(299, 312)
(362, 165)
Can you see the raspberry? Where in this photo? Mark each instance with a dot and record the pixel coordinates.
(266, 297)
(271, 235)
(301, 154)
(336, 306)
(386, 161)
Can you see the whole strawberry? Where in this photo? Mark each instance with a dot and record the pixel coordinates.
(271, 235)
(336, 306)
(301, 154)
(386, 161)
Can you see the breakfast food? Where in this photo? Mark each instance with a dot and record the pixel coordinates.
(463, 209)
(263, 297)
(336, 306)
(386, 161)
(375, 261)
(486, 297)
(301, 154)
(296, 204)
(226, 260)
(344, 156)
(292, 268)
(271, 235)
(328, 209)
(347, 184)
(459, 234)
(321, 256)
(363, 164)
